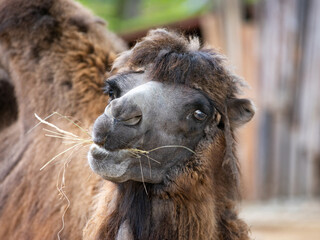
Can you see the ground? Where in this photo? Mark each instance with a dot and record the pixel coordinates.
(298, 220)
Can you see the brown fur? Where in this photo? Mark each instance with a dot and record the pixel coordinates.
(55, 54)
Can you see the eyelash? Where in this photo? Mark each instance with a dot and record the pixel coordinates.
(110, 91)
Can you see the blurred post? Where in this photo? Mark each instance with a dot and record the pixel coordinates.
(289, 132)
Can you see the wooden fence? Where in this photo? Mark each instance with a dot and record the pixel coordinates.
(289, 127)
(278, 53)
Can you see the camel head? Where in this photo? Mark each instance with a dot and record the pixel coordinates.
(169, 98)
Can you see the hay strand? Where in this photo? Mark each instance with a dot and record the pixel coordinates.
(77, 125)
(172, 146)
(53, 126)
(55, 157)
(69, 138)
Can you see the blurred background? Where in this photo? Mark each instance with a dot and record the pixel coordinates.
(275, 46)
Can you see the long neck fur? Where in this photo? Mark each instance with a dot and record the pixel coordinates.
(160, 216)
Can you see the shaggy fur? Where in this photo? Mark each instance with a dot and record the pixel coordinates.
(197, 200)
(55, 55)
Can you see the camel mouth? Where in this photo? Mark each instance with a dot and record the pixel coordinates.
(115, 166)
(110, 165)
(122, 165)
(100, 153)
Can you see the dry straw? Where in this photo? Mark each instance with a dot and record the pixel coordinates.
(68, 138)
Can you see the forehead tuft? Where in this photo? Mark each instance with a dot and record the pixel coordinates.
(167, 56)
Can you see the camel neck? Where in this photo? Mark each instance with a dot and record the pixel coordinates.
(150, 216)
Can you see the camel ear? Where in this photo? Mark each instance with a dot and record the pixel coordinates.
(240, 111)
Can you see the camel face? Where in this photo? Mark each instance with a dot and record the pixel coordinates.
(168, 120)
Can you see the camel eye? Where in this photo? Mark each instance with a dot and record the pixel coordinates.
(111, 89)
(110, 93)
(199, 115)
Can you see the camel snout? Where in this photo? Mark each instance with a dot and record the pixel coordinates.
(100, 130)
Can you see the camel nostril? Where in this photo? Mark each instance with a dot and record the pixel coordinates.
(132, 121)
(124, 111)
(99, 142)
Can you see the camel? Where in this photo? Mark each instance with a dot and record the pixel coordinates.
(163, 163)
(176, 105)
(54, 55)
